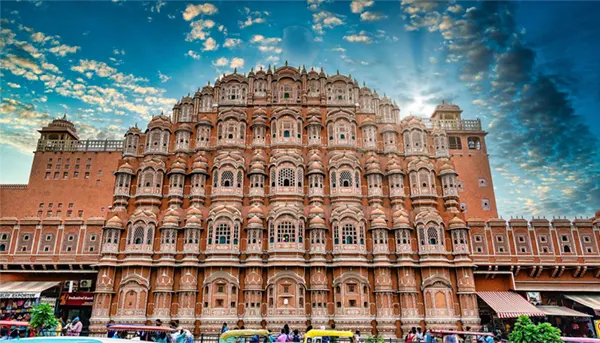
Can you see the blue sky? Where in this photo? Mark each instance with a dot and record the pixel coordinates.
(527, 69)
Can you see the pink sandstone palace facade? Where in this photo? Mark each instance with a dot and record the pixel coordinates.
(284, 196)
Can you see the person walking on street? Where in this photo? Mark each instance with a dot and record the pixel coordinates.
(411, 336)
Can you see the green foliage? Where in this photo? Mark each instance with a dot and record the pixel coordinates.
(374, 339)
(42, 315)
(527, 332)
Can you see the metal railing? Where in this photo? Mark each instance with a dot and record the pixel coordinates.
(453, 124)
(75, 145)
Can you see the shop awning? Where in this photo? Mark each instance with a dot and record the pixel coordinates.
(591, 301)
(561, 311)
(509, 304)
(24, 289)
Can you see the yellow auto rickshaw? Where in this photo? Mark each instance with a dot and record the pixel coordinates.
(241, 336)
(316, 336)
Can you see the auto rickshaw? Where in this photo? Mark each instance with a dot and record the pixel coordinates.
(233, 336)
(316, 336)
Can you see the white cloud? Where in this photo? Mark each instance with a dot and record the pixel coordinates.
(263, 40)
(63, 49)
(266, 48)
(361, 37)
(237, 62)
(39, 37)
(456, 9)
(223, 29)
(433, 60)
(314, 4)
(210, 44)
(193, 54)
(232, 42)
(221, 62)
(118, 52)
(13, 85)
(325, 19)
(339, 49)
(51, 67)
(192, 11)
(357, 6)
(256, 17)
(157, 6)
(163, 78)
(199, 29)
(372, 16)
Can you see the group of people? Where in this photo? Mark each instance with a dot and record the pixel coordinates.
(417, 335)
(178, 335)
(69, 328)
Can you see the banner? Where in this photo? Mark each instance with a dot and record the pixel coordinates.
(597, 327)
(77, 299)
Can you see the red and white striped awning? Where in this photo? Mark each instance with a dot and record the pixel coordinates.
(24, 289)
(509, 304)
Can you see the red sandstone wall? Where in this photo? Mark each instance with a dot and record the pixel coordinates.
(92, 195)
(471, 166)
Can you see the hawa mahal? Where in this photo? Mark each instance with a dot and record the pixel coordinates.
(284, 196)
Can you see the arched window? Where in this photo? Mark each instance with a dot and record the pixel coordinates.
(216, 178)
(239, 179)
(432, 236)
(227, 178)
(286, 177)
(138, 235)
(273, 178)
(346, 178)
(223, 234)
(149, 235)
(349, 234)
(286, 232)
(333, 179)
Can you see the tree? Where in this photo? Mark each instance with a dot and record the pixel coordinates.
(42, 316)
(374, 339)
(527, 332)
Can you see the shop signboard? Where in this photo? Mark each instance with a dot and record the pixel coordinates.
(597, 327)
(77, 299)
(48, 300)
(19, 295)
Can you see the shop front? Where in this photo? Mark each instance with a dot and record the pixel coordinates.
(17, 298)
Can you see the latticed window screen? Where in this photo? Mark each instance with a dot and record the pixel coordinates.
(286, 232)
(216, 179)
(432, 236)
(349, 235)
(223, 234)
(346, 178)
(300, 177)
(286, 177)
(239, 179)
(227, 178)
(149, 235)
(138, 235)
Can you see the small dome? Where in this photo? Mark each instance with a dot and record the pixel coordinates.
(184, 127)
(194, 221)
(125, 168)
(316, 210)
(204, 121)
(133, 130)
(178, 164)
(378, 223)
(393, 166)
(171, 220)
(255, 221)
(378, 212)
(114, 222)
(316, 222)
(194, 211)
(255, 211)
(456, 223)
(160, 121)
